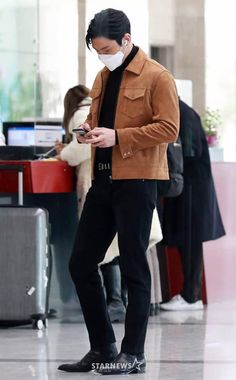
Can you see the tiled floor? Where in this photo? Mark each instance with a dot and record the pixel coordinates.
(180, 346)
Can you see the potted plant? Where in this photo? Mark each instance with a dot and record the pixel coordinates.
(211, 122)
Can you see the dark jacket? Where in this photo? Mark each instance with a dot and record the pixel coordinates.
(195, 213)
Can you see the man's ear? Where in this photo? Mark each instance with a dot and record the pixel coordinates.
(127, 39)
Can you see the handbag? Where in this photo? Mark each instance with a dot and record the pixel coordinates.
(173, 186)
(156, 231)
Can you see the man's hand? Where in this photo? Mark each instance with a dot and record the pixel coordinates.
(101, 137)
(83, 139)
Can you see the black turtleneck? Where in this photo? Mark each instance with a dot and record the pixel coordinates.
(108, 111)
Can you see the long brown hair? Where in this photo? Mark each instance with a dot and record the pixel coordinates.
(72, 100)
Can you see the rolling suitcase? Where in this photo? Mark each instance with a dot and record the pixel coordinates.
(24, 261)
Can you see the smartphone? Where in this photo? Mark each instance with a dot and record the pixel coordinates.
(80, 131)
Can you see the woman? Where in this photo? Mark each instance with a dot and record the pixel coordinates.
(76, 108)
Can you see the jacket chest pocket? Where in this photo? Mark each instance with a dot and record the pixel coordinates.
(133, 102)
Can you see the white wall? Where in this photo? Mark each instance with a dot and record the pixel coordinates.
(162, 22)
(221, 69)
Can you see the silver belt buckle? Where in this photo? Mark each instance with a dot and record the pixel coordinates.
(102, 166)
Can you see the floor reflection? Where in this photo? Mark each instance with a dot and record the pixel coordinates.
(200, 345)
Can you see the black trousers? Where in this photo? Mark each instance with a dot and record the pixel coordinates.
(126, 207)
(192, 266)
(191, 252)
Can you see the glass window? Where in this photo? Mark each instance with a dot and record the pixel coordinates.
(38, 57)
(18, 57)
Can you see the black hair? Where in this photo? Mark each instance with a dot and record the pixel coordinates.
(109, 23)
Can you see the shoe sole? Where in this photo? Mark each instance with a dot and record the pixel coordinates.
(182, 309)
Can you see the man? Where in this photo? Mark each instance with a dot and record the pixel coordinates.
(134, 114)
(194, 216)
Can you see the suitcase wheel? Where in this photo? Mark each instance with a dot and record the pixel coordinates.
(39, 322)
(38, 325)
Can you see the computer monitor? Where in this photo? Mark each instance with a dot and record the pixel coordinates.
(47, 133)
(19, 133)
(22, 136)
(42, 133)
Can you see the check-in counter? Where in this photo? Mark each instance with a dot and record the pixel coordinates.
(42, 176)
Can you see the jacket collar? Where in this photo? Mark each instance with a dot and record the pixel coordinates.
(135, 65)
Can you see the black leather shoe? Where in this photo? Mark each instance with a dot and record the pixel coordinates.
(91, 360)
(123, 364)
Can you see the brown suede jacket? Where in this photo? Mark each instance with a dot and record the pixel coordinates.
(147, 118)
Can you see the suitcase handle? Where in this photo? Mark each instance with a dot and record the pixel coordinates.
(19, 170)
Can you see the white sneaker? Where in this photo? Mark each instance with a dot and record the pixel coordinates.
(178, 303)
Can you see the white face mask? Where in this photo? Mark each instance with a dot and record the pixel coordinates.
(112, 61)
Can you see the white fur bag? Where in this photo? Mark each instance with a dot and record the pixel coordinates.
(156, 232)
